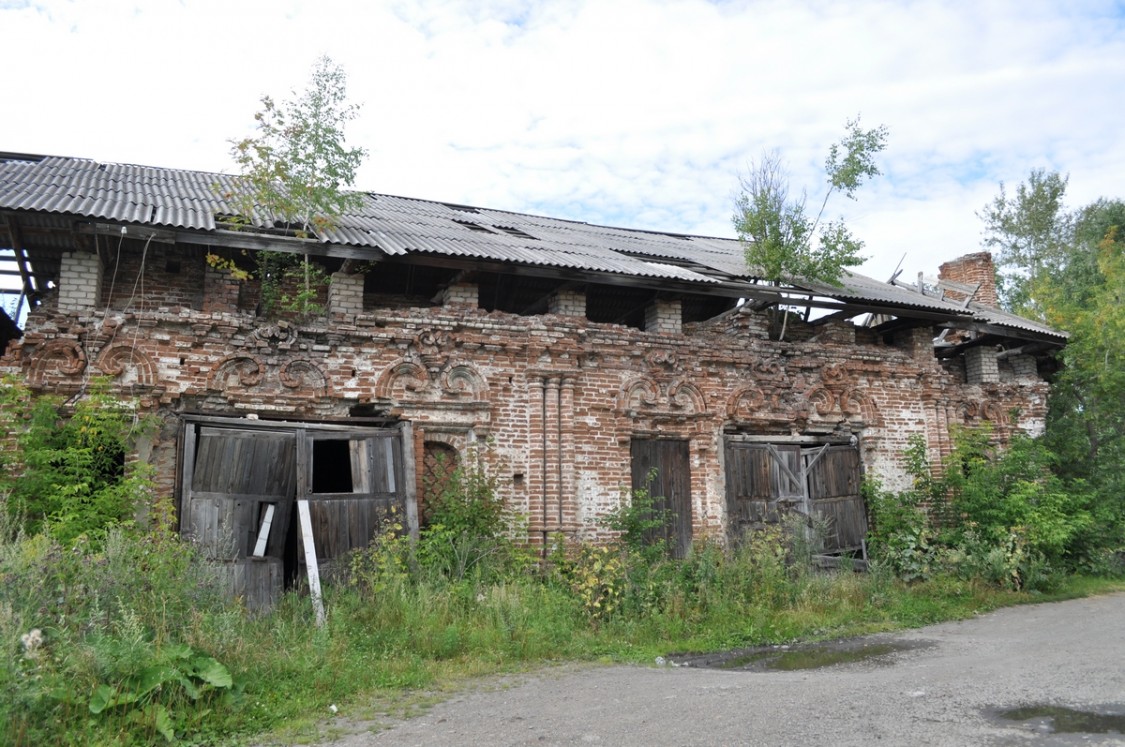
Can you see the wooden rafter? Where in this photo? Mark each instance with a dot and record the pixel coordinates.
(31, 289)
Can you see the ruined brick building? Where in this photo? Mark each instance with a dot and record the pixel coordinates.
(577, 361)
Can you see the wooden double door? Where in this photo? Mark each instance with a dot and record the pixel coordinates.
(764, 480)
(241, 481)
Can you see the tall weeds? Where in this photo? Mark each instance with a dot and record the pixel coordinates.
(123, 636)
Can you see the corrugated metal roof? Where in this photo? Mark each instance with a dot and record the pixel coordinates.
(1004, 319)
(400, 226)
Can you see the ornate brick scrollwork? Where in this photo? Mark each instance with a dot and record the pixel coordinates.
(301, 372)
(822, 400)
(856, 404)
(745, 403)
(462, 381)
(838, 398)
(407, 380)
(236, 371)
(56, 358)
(676, 397)
(638, 394)
(664, 359)
(987, 410)
(127, 364)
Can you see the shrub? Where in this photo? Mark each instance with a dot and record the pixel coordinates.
(640, 525)
(69, 474)
(470, 529)
(900, 536)
(1004, 515)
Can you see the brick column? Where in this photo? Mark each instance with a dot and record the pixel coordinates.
(981, 366)
(80, 281)
(345, 294)
(220, 291)
(972, 269)
(1024, 367)
(664, 316)
(461, 294)
(567, 303)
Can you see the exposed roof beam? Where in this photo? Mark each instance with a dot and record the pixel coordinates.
(983, 328)
(31, 289)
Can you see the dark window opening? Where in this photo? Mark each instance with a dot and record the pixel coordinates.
(615, 305)
(332, 466)
(393, 285)
(700, 308)
(525, 296)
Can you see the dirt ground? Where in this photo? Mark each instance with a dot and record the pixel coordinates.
(948, 684)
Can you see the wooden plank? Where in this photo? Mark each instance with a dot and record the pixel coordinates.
(389, 461)
(264, 530)
(795, 482)
(404, 453)
(310, 560)
(816, 455)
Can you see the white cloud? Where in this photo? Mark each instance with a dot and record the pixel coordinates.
(630, 112)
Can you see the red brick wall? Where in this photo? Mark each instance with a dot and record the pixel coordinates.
(972, 269)
(556, 399)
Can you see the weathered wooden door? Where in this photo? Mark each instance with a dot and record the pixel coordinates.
(241, 480)
(834, 477)
(237, 502)
(353, 482)
(663, 468)
(764, 480)
(757, 487)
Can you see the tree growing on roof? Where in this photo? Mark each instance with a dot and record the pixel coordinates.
(293, 173)
(297, 165)
(782, 240)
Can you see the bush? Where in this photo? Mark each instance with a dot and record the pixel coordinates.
(1004, 515)
(69, 474)
(640, 525)
(471, 529)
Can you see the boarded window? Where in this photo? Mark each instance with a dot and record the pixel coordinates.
(439, 466)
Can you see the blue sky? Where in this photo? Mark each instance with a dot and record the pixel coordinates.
(640, 113)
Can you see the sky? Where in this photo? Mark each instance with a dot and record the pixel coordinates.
(633, 113)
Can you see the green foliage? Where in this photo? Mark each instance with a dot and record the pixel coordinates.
(597, 577)
(147, 691)
(1067, 267)
(901, 537)
(69, 472)
(119, 656)
(292, 176)
(296, 167)
(781, 239)
(1087, 416)
(641, 525)
(1007, 518)
(470, 527)
(290, 283)
(1029, 229)
(88, 626)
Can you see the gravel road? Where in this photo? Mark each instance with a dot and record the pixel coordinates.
(945, 690)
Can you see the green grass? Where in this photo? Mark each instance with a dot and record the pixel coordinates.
(397, 637)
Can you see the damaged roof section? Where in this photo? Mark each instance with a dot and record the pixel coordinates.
(175, 205)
